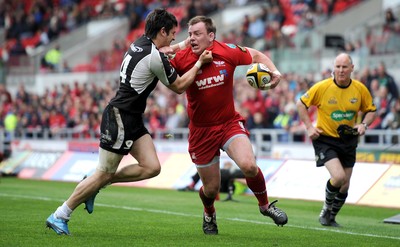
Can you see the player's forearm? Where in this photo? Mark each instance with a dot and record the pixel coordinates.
(179, 46)
(259, 57)
(303, 114)
(369, 118)
(183, 82)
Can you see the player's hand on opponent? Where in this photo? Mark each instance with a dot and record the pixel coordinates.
(172, 49)
(168, 50)
(276, 78)
(205, 57)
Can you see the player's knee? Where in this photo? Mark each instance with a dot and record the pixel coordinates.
(249, 170)
(154, 170)
(339, 180)
(345, 186)
(211, 192)
(101, 177)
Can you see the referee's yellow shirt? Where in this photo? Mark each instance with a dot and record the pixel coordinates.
(338, 105)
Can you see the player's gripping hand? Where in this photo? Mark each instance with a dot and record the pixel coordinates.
(172, 49)
(205, 57)
(276, 78)
(168, 50)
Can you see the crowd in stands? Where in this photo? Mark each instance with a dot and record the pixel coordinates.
(79, 107)
(31, 24)
(275, 27)
(280, 24)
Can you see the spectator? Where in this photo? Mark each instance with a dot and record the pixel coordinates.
(385, 79)
(18, 48)
(83, 16)
(107, 10)
(382, 104)
(366, 76)
(22, 95)
(254, 102)
(134, 20)
(245, 27)
(44, 37)
(191, 186)
(175, 117)
(285, 119)
(5, 96)
(57, 122)
(302, 87)
(56, 25)
(10, 122)
(272, 108)
(229, 175)
(30, 124)
(66, 68)
(331, 7)
(257, 121)
(52, 58)
(392, 119)
(256, 27)
(390, 19)
(231, 37)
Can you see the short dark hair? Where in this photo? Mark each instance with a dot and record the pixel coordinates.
(208, 22)
(158, 19)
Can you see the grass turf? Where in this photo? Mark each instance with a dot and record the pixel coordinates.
(131, 216)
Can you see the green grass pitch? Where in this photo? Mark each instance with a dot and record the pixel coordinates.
(131, 216)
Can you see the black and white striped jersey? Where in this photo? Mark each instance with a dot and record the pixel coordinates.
(142, 67)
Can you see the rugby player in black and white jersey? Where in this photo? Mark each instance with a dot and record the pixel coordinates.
(122, 127)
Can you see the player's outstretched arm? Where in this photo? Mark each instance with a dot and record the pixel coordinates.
(183, 82)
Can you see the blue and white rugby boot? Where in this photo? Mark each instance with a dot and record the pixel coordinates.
(60, 226)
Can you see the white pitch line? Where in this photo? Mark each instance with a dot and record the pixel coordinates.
(197, 216)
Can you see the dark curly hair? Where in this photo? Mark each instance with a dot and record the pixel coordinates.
(158, 19)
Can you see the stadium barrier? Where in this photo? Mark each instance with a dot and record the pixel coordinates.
(263, 139)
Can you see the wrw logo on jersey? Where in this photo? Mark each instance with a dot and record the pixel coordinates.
(209, 82)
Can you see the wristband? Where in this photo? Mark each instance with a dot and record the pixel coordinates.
(276, 72)
(198, 64)
(182, 45)
(365, 125)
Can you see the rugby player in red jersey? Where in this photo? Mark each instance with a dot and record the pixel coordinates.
(214, 123)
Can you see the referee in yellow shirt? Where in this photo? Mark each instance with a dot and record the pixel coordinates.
(339, 100)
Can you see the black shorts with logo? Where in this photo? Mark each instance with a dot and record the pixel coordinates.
(327, 148)
(119, 129)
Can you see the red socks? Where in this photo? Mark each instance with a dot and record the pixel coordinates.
(257, 185)
(208, 203)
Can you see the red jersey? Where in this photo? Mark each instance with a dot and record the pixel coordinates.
(210, 97)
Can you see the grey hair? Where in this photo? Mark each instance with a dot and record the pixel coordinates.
(348, 56)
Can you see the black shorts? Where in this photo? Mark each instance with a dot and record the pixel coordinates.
(119, 130)
(327, 148)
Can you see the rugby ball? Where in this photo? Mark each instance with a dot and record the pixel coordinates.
(259, 76)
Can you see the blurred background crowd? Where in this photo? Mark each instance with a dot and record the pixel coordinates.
(33, 24)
